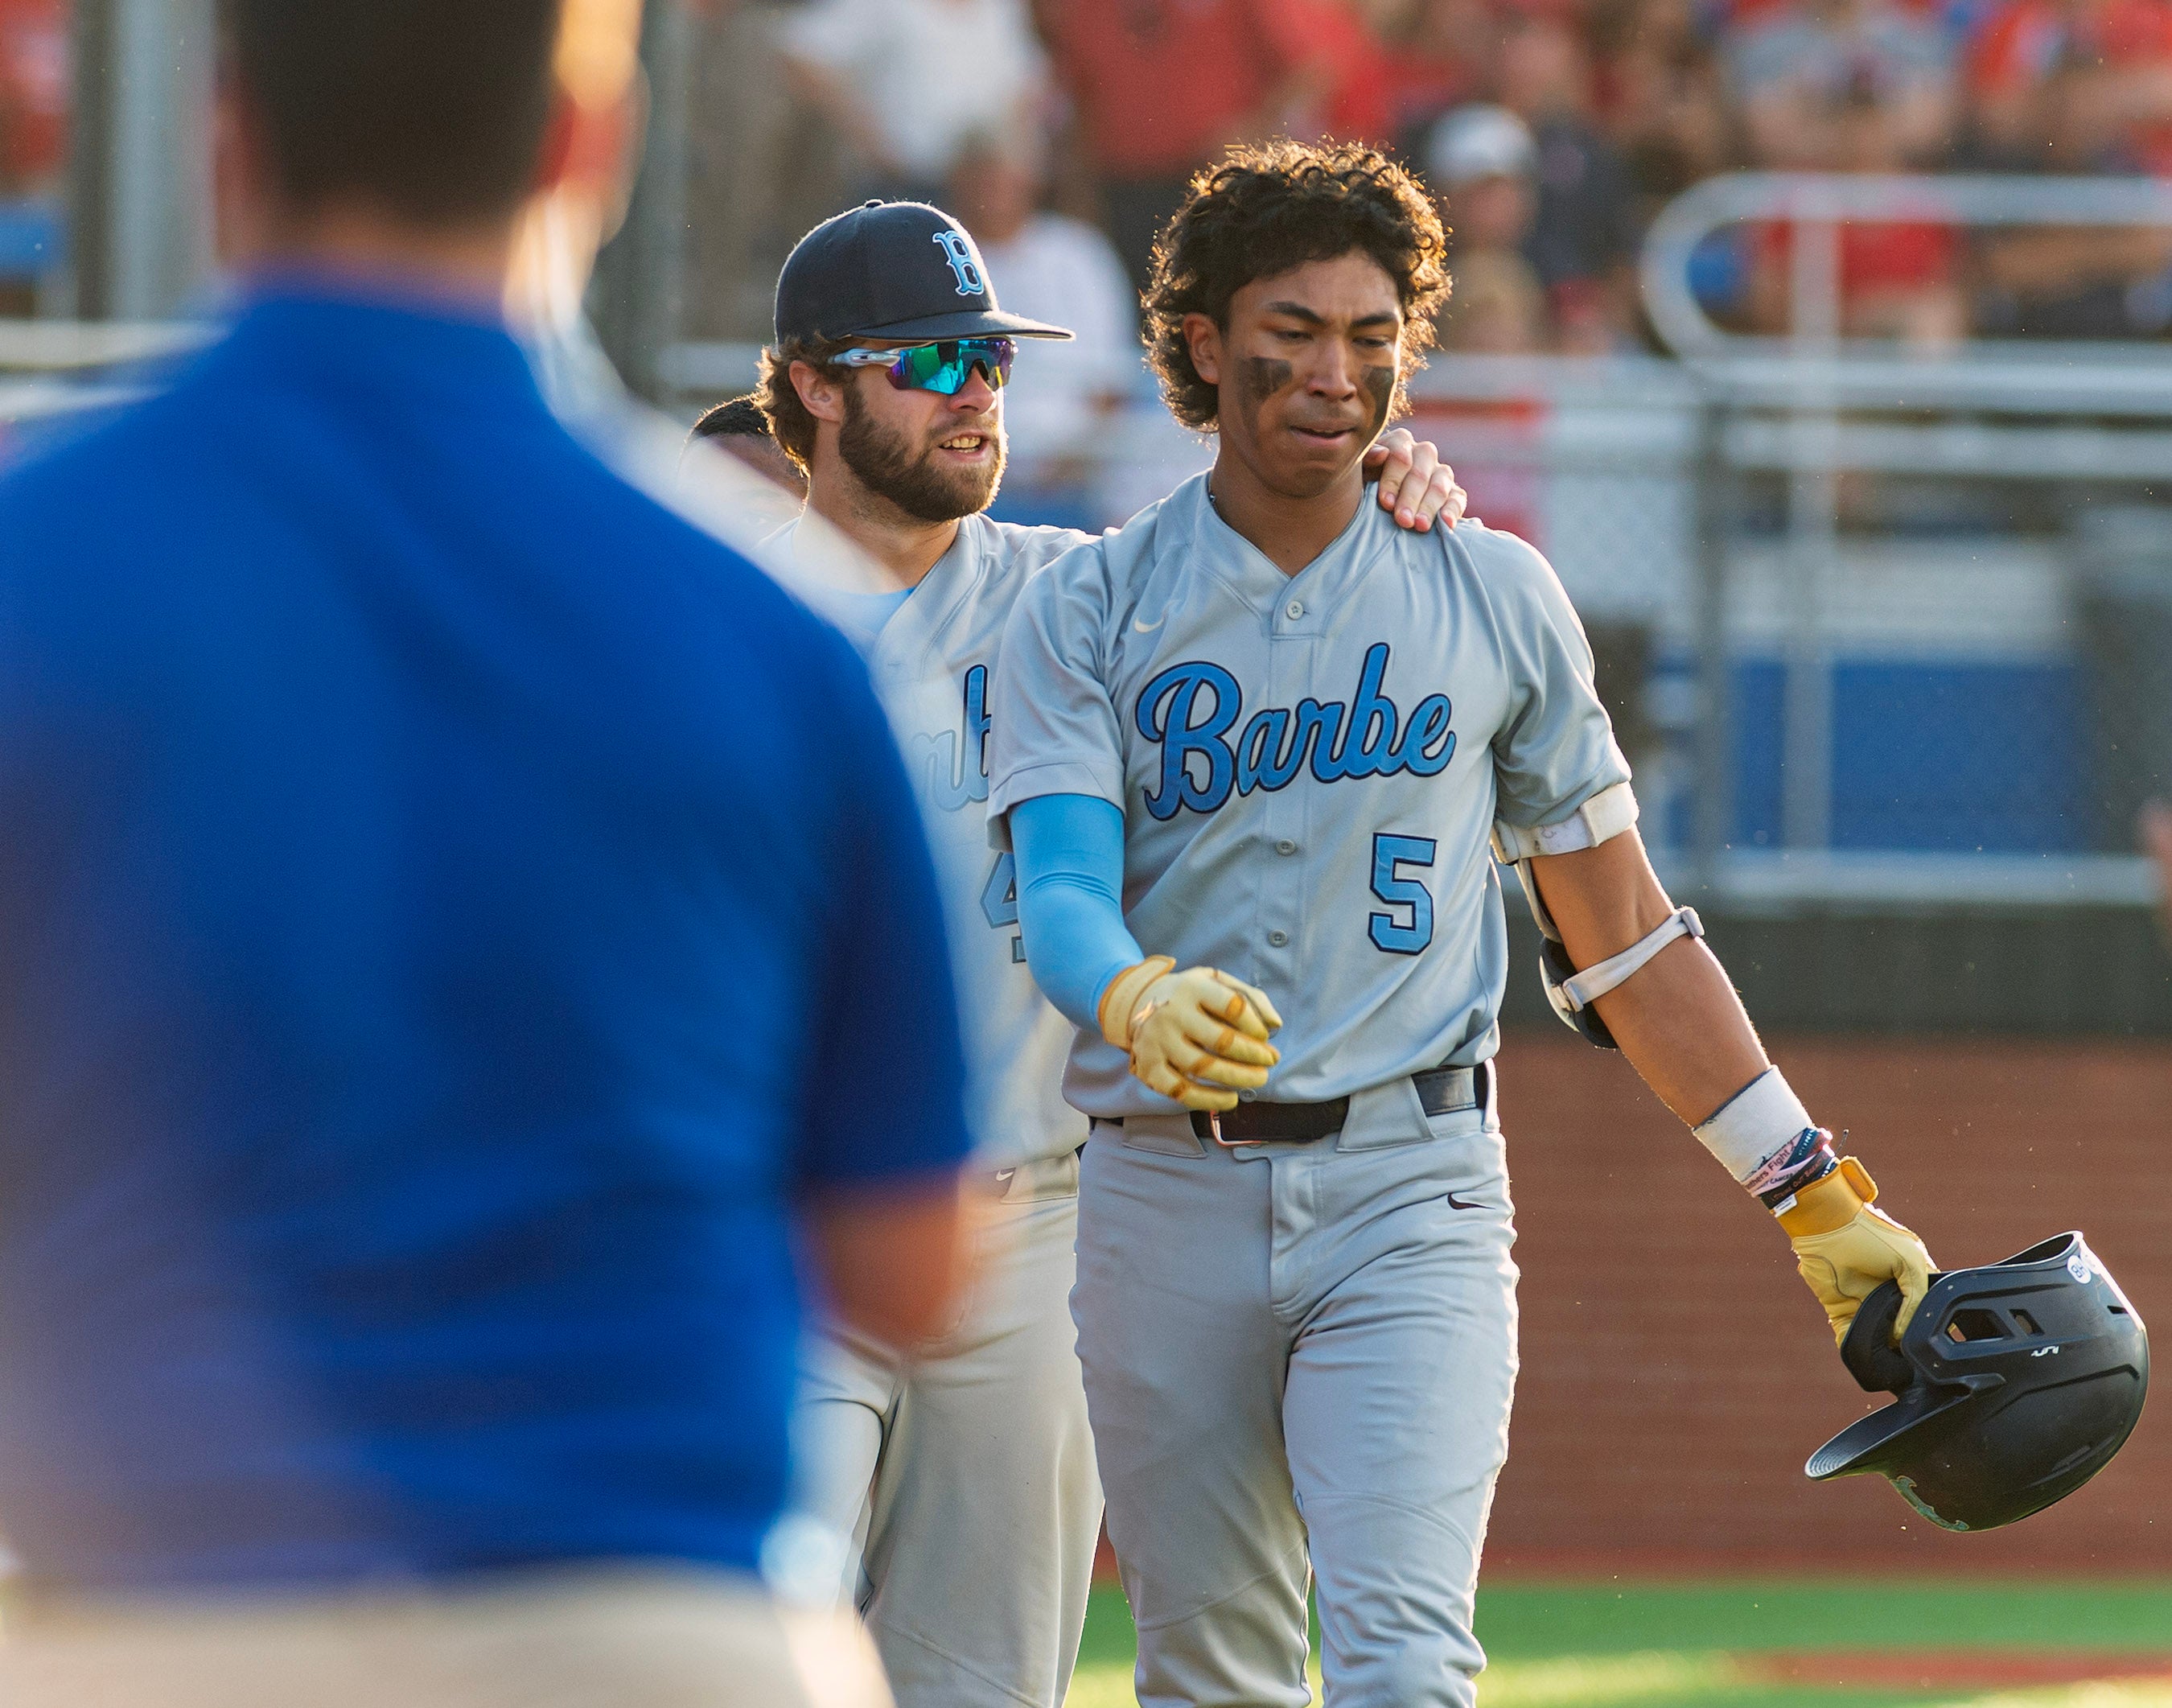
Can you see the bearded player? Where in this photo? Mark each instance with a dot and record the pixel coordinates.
(965, 1474)
(1252, 749)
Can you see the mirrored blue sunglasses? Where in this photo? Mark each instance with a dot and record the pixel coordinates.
(942, 367)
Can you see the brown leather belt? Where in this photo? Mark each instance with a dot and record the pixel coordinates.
(1441, 1091)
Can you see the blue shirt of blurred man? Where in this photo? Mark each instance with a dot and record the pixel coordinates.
(455, 915)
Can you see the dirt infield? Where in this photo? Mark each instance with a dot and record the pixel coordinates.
(1675, 1374)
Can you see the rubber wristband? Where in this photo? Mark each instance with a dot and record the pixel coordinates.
(1806, 1171)
(1787, 1162)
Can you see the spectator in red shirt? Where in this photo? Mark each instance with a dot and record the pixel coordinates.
(35, 86)
(1161, 86)
(1362, 102)
(1898, 278)
(2127, 42)
(1436, 54)
(1854, 86)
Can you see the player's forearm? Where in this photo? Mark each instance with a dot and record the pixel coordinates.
(1683, 1028)
(1070, 853)
(1678, 1020)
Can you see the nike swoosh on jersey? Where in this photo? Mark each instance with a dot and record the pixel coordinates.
(1455, 1202)
(1148, 628)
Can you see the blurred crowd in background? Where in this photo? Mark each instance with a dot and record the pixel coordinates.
(1554, 129)
(33, 94)
(1062, 132)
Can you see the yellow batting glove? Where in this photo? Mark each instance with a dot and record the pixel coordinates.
(1844, 1248)
(1198, 1036)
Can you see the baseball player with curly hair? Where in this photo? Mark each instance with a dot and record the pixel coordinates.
(1253, 751)
(964, 1474)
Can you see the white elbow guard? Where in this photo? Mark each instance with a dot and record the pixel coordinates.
(1601, 819)
(1583, 988)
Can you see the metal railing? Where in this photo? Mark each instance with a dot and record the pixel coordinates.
(1631, 471)
(2035, 376)
(1816, 405)
(1623, 469)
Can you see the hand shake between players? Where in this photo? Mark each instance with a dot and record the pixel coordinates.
(1198, 1036)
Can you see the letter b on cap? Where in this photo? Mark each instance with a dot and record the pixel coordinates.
(962, 263)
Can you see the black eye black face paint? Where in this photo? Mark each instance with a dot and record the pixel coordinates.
(1263, 377)
(1380, 383)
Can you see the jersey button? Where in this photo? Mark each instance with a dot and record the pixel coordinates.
(1278, 938)
(1296, 610)
(1285, 847)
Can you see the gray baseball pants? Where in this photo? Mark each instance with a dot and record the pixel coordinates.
(964, 1475)
(1299, 1359)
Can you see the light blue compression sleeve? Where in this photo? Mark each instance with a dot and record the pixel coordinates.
(1070, 850)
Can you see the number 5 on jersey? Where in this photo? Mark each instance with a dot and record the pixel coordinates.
(1391, 932)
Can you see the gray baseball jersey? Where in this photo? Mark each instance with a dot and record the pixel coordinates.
(1309, 769)
(933, 661)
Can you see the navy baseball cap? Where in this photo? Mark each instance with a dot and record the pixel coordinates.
(892, 271)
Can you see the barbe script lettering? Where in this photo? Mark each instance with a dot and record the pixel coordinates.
(1190, 709)
(954, 772)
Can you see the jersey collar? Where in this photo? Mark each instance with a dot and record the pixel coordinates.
(1316, 589)
(821, 565)
(941, 594)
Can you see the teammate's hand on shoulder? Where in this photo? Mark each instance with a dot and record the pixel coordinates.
(1844, 1247)
(1414, 482)
(1198, 1036)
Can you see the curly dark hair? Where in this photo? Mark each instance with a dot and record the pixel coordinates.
(789, 423)
(1264, 209)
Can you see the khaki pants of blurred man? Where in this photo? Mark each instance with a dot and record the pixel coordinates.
(615, 1637)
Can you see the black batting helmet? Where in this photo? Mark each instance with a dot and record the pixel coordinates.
(2017, 1382)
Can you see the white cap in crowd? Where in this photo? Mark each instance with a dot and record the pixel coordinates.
(1479, 141)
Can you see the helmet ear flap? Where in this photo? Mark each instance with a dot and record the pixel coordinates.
(1878, 1365)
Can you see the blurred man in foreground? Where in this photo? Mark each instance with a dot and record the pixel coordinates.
(459, 919)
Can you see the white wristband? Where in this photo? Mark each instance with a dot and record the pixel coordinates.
(1758, 1120)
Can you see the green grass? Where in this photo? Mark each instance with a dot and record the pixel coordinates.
(1519, 1620)
(1587, 1645)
